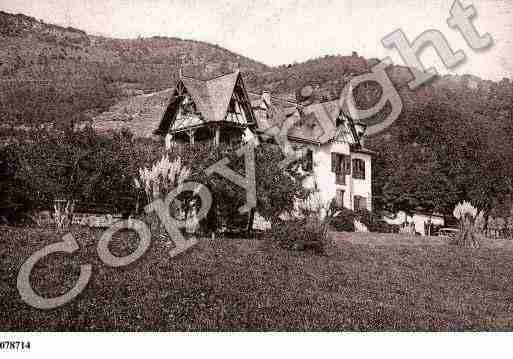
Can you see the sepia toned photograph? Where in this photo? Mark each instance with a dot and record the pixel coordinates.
(255, 166)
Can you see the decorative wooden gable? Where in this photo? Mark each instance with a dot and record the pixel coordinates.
(198, 103)
(346, 131)
(187, 114)
(239, 107)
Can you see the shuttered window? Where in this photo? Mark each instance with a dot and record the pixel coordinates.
(334, 162)
(340, 164)
(347, 165)
(308, 160)
(339, 199)
(358, 168)
(360, 203)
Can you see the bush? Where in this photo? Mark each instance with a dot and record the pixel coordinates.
(79, 166)
(381, 226)
(276, 189)
(99, 171)
(302, 234)
(343, 220)
(375, 223)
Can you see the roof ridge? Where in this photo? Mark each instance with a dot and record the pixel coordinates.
(219, 76)
(211, 79)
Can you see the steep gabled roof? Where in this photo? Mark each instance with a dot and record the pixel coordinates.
(199, 93)
(315, 123)
(319, 125)
(220, 91)
(211, 97)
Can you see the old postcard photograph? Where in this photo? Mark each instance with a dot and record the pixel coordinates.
(258, 166)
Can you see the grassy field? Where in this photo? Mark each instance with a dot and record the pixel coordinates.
(370, 282)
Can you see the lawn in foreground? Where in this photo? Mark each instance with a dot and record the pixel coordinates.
(253, 285)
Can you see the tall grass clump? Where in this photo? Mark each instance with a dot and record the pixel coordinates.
(467, 216)
(159, 180)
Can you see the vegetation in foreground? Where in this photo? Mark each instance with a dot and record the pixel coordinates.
(405, 284)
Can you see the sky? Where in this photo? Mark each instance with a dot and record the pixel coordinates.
(286, 31)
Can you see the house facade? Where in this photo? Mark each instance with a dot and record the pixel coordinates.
(220, 110)
(339, 165)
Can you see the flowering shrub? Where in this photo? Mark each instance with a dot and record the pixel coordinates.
(163, 177)
(158, 181)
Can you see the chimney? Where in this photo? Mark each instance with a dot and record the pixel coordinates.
(266, 97)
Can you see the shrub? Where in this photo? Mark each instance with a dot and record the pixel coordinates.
(381, 226)
(343, 220)
(310, 230)
(99, 170)
(302, 234)
(77, 166)
(375, 223)
(367, 218)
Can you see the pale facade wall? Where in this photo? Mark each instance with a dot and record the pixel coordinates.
(363, 187)
(326, 181)
(325, 178)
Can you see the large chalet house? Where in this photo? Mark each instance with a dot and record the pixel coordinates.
(220, 110)
(216, 110)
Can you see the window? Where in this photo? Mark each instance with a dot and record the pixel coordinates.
(347, 165)
(338, 163)
(360, 203)
(358, 168)
(340, 178)
(308, 160)
(341, 166)
(335, 162)
(339, 198)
